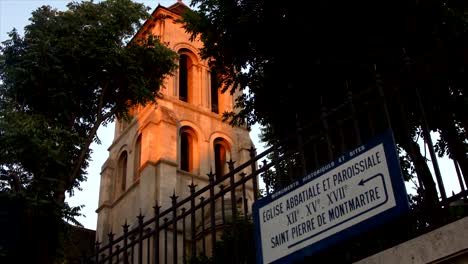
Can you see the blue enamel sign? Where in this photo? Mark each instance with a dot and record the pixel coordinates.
(360, 190)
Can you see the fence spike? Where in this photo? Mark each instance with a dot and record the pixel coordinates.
(252, 151)
(231, 164)
(140, 216)
(174, 197)
(210, 175)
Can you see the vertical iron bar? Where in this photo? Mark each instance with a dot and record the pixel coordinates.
(118, 252)
(148, 246)
(354, 116)
(174, 231)
(244, 196)
(192, 219)
(233, 207)
(140, 238)
(223, 215)
(165, 239)
(132, 252)
(404, 121)
(460, 179)
(267, 183)
(314, 148)
(427, 138)
(202, 199)
(300, 143)
(253, 168)
(111, 242)
(379, 84)
(342, 138)
(370, 120)
(323, 117)
(125, 241)
(212, 215)
(184, 254)
(97, 245)
(156, 234)
(279, 171)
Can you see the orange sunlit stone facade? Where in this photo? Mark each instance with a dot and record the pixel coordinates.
(168, 144)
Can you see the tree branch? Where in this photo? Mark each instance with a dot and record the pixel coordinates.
(60, 195)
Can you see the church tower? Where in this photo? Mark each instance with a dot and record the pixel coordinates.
(169, 145)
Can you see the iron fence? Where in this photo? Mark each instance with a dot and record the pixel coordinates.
(194, 225)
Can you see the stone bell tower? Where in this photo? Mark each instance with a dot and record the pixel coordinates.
(169, 144)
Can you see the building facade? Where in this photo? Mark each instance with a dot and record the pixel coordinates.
(171, 144)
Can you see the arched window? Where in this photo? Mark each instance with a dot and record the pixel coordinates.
(221, 151)
(188, 146)
(183, 78)
(137, 156)
(186, 76)
(122, 171)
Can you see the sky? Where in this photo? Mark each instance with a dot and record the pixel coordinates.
(15, 14)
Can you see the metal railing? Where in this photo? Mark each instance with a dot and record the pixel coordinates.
(193, 225)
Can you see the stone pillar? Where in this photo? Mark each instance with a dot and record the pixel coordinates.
(106, 196)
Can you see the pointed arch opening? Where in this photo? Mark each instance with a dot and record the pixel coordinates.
(221, 155)
(137, 159)
(187, 151)
(122, 172)
(186, 76)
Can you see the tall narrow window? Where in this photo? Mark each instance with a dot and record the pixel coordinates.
(188, 154)
(220, 153)
(183, 78)
(186, 146)
(122, 171)
(137, 153)
(214, 93)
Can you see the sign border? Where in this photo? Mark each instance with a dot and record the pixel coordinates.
(399, 192)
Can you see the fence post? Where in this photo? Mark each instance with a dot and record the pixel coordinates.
(223, 215)
(233, 208)
(125, 246)
(140, 238)
(118, 250)
(212, 215)
(300, 145)
(184, 254)
(428, 140)
(323, 117)
(156, 233)
(354, 115)
(192, 219)
(266, 178)
(96, 256)
(111, 241)
(253, 168)
(174, 224)
(242, 175)
(165, 239)
(202, 200)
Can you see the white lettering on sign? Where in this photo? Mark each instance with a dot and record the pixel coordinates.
(344, 196)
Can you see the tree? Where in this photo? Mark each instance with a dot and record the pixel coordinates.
(308, 68)
(296, 64)
(72, 72)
